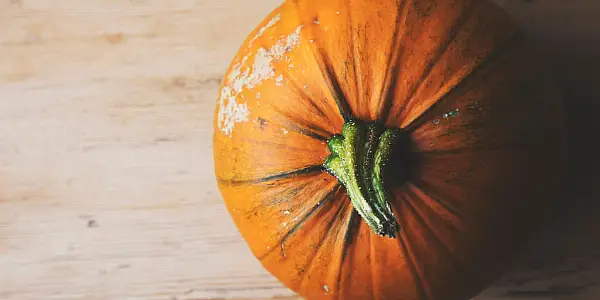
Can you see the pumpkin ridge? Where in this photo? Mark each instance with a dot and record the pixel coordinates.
(371, 267)
(323, 63)
(418, 214)
(450, 210)
(336, 242)
(351, 232)
(294, 228)
(336, 90)
(300, 91)
(439, 52)
(435, 195)
(293, 125)
(278, 144)
(307, 132)
(352, 227)
(388, 90)
(359, 89)
(410, 261)
(281, 175)
(322, 240)
(283, 197)
(483, 64)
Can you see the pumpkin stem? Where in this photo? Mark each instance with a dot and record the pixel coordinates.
(358, 157)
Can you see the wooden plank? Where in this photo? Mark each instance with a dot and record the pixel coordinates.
(108, 191)
(105, 156)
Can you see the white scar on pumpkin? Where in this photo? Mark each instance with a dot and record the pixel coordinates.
(230, 110)
(261, 31)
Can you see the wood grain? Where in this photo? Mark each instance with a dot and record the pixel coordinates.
(107, 185)
(105, 157)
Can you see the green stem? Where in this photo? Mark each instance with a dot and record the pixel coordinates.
(358, 159)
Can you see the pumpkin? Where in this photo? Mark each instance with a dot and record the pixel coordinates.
(383, 149)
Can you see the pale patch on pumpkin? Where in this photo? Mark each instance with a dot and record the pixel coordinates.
(238, 82)
(286, 44)
(262, 30)
(262, 68)
(279, 80)
(232, 112)
(235, 73)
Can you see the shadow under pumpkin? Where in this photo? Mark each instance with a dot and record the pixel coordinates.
(563, 262)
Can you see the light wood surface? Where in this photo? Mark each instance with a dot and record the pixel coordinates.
(106, 176)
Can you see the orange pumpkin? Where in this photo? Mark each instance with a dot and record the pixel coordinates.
(383, 149)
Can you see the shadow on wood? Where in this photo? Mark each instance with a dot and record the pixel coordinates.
(564, 261)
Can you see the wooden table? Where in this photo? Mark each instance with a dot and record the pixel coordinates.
(106, 174)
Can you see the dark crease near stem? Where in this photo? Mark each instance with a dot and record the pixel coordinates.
(294, 121)
(307, 132)
(277, 176)
(352, 227)
(439, 52)
(326, 198)
(393, 61)
(336, 88)
(310, 131)
(329, 227)
(327, 73)
(285, 195)
(485, 62)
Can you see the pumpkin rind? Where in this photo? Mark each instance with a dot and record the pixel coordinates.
(458, 76)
